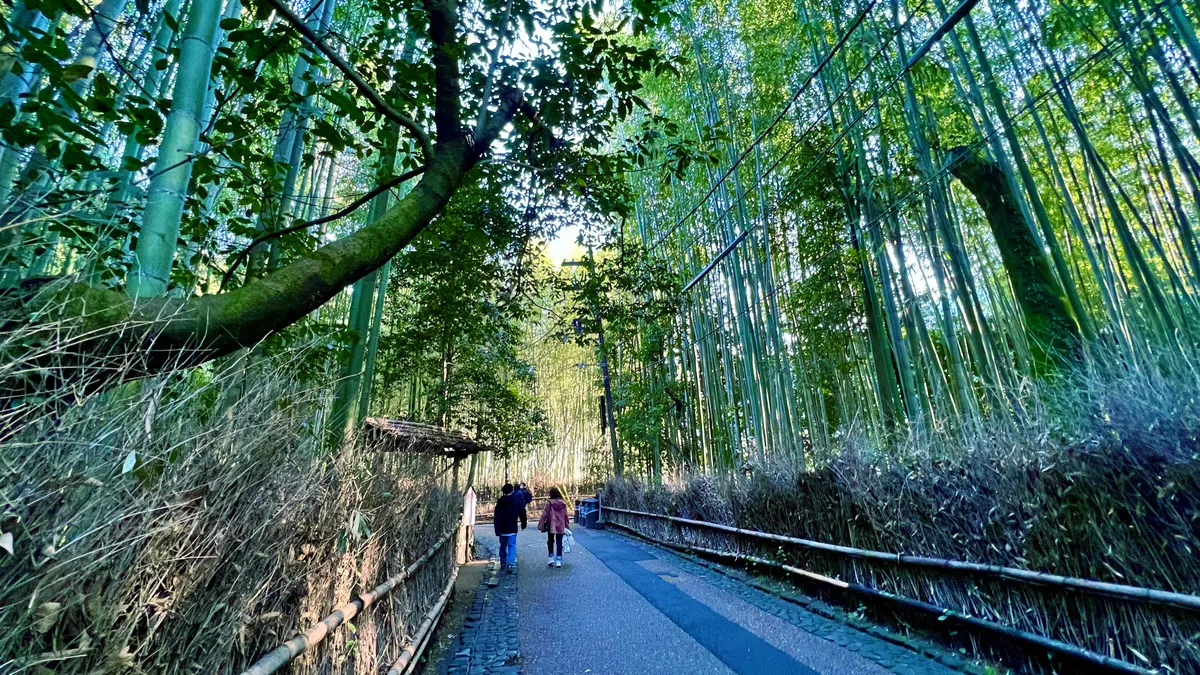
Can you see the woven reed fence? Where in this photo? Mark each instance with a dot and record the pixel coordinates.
(1143, 628)
(155, 531)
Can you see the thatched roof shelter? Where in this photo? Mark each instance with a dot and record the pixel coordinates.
(424, 439)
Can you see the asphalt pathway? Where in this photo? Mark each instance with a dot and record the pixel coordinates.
(618, 607)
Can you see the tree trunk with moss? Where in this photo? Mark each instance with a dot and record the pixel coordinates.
(115, 339)
(1052, 330)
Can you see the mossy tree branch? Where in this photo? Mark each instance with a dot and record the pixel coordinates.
(1053, 332)
(106, 336)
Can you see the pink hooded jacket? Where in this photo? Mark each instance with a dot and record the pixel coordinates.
(554, 517)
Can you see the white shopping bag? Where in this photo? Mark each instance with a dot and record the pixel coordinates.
(568, 539)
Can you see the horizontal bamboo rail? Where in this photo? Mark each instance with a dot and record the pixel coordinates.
(1134, 593)
(284, 653)
(481, 513)
(408, 657)
(1031, 640)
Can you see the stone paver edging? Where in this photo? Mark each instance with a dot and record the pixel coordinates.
(487, 642)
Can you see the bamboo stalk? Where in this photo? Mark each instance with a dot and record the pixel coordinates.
(1136, 593)
(52, 657)
(289, 650)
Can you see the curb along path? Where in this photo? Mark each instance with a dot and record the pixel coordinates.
(919, 656)
(487, 642)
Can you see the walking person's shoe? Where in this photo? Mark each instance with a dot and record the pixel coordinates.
(550, 562)
(558, 561)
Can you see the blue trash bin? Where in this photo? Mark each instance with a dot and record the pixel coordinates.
(587, 513)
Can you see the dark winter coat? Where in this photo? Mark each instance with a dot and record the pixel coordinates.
(509, 509)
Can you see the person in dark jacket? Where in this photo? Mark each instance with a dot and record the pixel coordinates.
(509, 509)
(525, 494)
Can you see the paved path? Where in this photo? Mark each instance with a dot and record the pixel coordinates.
(618, 606)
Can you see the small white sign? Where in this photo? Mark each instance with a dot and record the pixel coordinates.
(469, 503)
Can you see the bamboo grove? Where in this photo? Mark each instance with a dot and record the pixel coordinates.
(212, 184)
(916, 220)
(807, 221)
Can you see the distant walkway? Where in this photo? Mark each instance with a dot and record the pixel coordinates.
(618, 606)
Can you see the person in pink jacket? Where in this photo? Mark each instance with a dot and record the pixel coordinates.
(554, 523)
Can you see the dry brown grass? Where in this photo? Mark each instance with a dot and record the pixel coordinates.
(167, 527)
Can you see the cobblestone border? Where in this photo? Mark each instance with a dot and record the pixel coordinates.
(901, 654)
(487, 642)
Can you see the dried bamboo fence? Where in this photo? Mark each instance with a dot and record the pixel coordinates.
(289, 650)
(141, 520)
(409, 656)
(397, 437)
(1090, 624)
